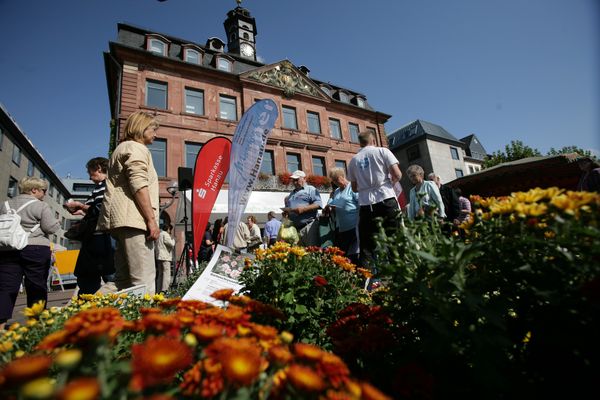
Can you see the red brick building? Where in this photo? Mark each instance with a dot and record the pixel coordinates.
(200, 91)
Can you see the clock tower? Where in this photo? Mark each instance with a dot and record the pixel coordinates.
(240, 28)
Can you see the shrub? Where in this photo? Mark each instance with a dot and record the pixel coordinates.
(509, 312)
(308, 285)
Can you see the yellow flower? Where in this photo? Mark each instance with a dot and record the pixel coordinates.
(19, 353)
(527, 337)
(41, 388)
(190, 340)
(286, 337)
(31, 322)
(50, 321)
(35, 310)
(6, 346)
(68, 359)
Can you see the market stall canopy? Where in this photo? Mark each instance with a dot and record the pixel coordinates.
(501, 180)
(259, 205)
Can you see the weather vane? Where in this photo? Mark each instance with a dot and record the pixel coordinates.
(239, 2)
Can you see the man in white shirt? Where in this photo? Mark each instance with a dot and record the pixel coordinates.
(369, 172)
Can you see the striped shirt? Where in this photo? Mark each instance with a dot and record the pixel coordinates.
(95, 200)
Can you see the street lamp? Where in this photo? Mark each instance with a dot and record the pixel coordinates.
(172, 189)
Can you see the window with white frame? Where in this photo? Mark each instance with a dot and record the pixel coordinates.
(158, 150)
(360, 102)
(335, 128)
(289, 117)
(194, 101)
(224, 64)
(293, 162)
(318, 166)
(16, 156)
(227, 107)
(454, 153)
(353, 129)
(193, 56)
(313, 122)
(191, 152)
(156, 94)
(268, 163)
(157, 46)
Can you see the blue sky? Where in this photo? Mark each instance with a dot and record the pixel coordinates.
(503, 69)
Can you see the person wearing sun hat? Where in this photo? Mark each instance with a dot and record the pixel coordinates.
(302, 204)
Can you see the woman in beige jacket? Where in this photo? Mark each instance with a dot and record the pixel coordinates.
(130, 209)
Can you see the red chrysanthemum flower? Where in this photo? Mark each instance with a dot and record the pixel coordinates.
(208, 332)
(157, 360)
(53, 340)
(320, 281)
(280, 355)
(241, 366)
(156, 322)
(192, 380)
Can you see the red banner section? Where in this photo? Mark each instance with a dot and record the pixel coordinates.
(212, 165)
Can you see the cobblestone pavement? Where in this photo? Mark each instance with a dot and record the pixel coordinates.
(56, 298)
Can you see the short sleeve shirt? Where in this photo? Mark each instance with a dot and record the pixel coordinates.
(346, 208)
(303, 197)
(370, 169)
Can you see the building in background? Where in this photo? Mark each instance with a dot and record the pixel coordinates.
(20, 158)
(200, 90)
(436, 150)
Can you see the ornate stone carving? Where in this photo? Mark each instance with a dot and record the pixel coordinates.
(286, 77)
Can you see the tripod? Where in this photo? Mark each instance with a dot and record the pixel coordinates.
(185, 263)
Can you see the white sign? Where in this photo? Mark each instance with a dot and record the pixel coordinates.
(222, 272)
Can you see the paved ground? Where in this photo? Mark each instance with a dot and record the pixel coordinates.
(55, 299)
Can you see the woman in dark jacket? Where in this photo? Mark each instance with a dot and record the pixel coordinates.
(33, 261)
(96, 257)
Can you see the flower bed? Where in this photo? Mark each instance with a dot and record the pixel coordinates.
(172, 349)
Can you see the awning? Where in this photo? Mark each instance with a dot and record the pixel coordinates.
(259, 205)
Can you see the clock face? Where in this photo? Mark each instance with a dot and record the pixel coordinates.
(246, 50)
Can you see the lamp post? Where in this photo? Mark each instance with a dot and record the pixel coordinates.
(173, 188)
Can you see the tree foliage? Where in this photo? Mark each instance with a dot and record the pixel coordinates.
(516, 150)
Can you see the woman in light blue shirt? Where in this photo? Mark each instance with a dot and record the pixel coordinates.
(425, 199)
(343, 204)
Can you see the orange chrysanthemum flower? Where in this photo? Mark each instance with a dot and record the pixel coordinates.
(156, 322)
(194, 306)
(157, 360)
(304, 378)
(26, 368)
(280, 355)
(308, 351)
(168, 303)
(192, 379)
(80, 389)
(94, 323)
(53, 340)
(241, 366)
(263, 331)
(222, 294)
(208, 332)
(369, 392)
(185, 317)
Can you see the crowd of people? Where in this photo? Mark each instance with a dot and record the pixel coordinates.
(122, 245)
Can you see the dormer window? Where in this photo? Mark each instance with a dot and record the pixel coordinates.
(157, 45)
(192, 56)
(326, 89)
(223, 63)
(343, 96)
(359, 101)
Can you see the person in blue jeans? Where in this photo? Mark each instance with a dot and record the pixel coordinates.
(33, 261)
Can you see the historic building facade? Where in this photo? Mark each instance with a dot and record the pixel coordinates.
(19, 158)
(199, 91)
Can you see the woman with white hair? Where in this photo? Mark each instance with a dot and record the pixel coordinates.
(343, 204)
(425, 198)
(33, 261)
